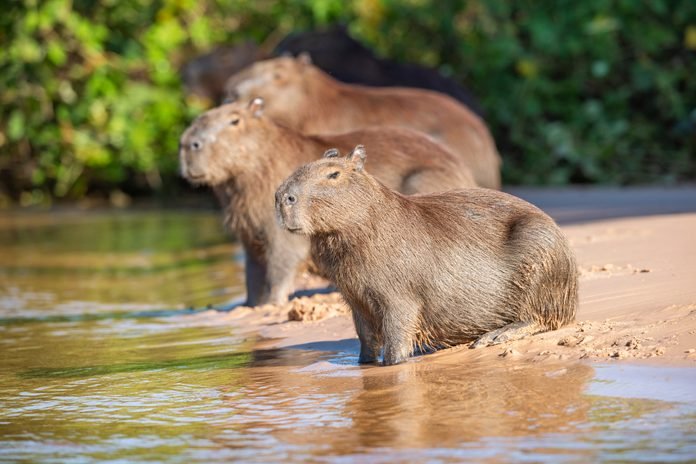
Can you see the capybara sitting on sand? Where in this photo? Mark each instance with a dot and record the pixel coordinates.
(245, 156)
(431, 270)
(307, 99)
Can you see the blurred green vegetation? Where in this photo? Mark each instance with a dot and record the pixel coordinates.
(593, 91)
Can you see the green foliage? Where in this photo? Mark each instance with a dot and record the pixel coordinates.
(91, 96)
(592, 91)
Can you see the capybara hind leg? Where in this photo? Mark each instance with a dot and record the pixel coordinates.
(507, 333)
(256, 285)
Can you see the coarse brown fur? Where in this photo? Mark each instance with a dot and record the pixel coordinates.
(244, 156)
(309, 100)
(431, 270)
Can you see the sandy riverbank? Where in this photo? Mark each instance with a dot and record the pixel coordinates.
(637, 291)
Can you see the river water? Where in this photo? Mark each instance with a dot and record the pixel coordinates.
(101, 361)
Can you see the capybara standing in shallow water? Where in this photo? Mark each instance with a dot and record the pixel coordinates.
(244, 156)
(430, 270)
(307, 99)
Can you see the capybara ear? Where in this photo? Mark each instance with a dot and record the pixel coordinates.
(256, 106)
(304, 58)
(357, 157)
(332, 153)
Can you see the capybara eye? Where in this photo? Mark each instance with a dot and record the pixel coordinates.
(333, 175)
(234, 122)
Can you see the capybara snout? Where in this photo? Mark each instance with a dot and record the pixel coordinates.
(216, 144)
(192, 167)
(285, 201)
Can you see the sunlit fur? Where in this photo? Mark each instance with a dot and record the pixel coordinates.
(305, 98)
(431, 270)
(244, 156)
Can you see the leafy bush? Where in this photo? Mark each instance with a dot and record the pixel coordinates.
(593, 91)
(90, 94)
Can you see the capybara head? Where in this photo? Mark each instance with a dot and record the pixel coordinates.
(221, 142)
(325, 195)
(281, 81)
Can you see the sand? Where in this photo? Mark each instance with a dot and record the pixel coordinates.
(637, 287)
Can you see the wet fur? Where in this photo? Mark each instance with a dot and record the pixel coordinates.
(245, 164)
(433, 270)
(310, 101)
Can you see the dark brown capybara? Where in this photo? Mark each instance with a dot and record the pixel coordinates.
(305, 98)
(245, 155)
(431, 270)
(205, 76)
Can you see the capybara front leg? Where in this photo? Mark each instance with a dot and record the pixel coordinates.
(369, 340)
(281, 277)
(286, 254)
(398, 329)
(508, 333)
(397, 351)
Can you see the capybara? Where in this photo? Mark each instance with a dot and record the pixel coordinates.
(431, 270)
(334, 51)
(245, 155)
(205, 76)
(310, 101)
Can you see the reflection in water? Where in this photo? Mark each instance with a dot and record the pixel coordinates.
(66, 263)
(91, 375)
(466, 403)
(419, 405)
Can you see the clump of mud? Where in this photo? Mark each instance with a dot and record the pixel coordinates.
(316, 307)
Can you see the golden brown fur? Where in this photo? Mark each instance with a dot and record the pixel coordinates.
(309, 100)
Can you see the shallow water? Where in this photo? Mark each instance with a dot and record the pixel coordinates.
(101, 362)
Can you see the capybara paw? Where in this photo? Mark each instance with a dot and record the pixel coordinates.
(367, 358)
(482, 342)
(395, 355)
(508, 333)
(391, 360)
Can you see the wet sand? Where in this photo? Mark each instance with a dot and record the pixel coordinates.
(637, 287)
